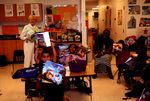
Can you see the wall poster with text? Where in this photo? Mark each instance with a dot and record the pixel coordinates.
(8, 10)
(20, 10)
(35, 9)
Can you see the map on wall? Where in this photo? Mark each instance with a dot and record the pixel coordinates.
(134, 9)
(144, 22)
(132, 22)
(145, 10)
(131, 1)
(147, 1)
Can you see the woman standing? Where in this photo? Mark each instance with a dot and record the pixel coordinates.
(29, 30)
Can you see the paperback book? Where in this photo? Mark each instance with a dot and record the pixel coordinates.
(51, 72)
(43, 39)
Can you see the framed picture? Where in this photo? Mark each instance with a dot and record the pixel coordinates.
(49, 18)
(119, 17)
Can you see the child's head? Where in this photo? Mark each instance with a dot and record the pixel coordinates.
(121, 41)
(45, 55)
(72, 48)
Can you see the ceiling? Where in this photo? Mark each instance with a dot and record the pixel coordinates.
(91, 4)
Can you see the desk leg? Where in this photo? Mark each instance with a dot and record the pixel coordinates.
(90, 83)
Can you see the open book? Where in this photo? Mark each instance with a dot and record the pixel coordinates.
(42, 38)
(51, 73)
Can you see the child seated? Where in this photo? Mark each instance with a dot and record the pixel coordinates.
(72, 55)
(122, 56)
(53, 91)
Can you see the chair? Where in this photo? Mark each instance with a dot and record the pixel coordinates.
(17, 58)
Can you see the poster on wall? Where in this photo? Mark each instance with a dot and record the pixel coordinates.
(147, 1)
(20, 10)
(143, 32)
(144, 22)
(119, 17)
(35, 9)
(134, 9)
(132, 22)
(49, 18)
(145, 10)
(131, 1)
(8, 10)
(55, 10)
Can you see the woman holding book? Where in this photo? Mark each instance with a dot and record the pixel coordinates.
(26, 34)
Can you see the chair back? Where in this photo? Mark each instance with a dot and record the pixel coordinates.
(18, 56)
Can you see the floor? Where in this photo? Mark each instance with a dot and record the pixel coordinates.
(104, 89)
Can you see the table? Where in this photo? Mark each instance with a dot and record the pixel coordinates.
(88, 73)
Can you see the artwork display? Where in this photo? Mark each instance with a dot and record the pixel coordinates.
(147, 1)
(134, 9)
(131, 1)
(145, 10)
(132, 22)
(144, 22)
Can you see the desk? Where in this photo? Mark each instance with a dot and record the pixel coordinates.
(88, 73)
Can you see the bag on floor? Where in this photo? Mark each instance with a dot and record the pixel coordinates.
(27, 73)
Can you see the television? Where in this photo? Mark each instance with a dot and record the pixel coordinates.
(96, 15)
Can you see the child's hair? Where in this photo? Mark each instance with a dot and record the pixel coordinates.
(74, 45)
(46, 51)
(121, 41)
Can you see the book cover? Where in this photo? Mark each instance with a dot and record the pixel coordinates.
(130, 63)
(117, 46)
(51, 73)
(42, 38)
(63, 50)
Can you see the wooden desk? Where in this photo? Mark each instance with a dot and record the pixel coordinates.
(88, 73)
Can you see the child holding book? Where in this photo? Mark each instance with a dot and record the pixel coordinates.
(53, 91)
(122, 55)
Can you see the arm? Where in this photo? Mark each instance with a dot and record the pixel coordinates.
(36, 54)
(109, 50)
(54, 52)
(23, 35)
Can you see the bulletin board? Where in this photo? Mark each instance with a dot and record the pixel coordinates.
(61, 16)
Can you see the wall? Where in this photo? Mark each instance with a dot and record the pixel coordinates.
(135, 31)
(117, 31)
(40, 24)
(92, 23)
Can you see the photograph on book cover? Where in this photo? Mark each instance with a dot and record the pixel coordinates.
(43, 39)
(51, 73)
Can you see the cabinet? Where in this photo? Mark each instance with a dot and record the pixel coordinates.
(8, 47)
(19, 18)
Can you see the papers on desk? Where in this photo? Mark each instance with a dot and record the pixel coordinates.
(67, 71)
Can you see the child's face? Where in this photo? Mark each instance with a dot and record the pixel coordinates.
(72, 48)
(45, 57)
